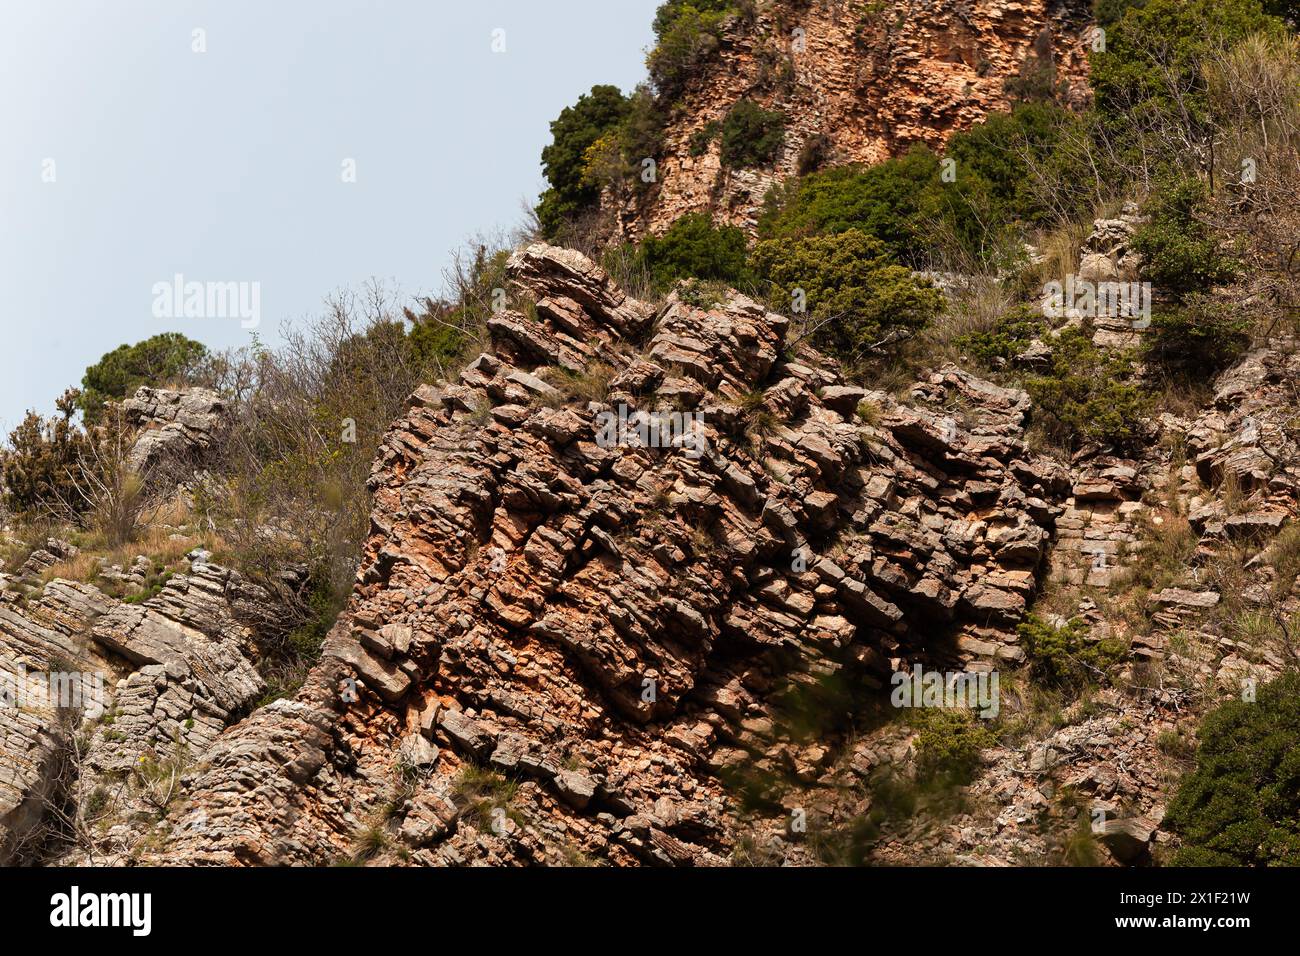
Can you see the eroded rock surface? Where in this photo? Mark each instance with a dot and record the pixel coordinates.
(856, 84)
(102, 698)
(174, 426)
(618, 630)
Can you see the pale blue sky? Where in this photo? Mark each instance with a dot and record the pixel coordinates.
(226, 165)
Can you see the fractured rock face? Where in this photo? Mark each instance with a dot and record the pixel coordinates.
(97, 695)
(611, 624)
(174, 425)
(854, 85)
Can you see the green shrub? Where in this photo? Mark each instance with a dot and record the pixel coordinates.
(694, 248)
(671, 10)
(850, 282)
(1198, 339)
(751, 135)
(43, 456)
(884, 201)
(1087, 395)
(687, 36)
(158, 360)
(1180, 253)
(1008, 338)
(906, 201)
(949, 744)
(992, 158)
(1240, 806)
(703, 138)
(1109, 12)
(573, 133)
(1064, 656)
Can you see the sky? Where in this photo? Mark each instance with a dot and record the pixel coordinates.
(295, 147)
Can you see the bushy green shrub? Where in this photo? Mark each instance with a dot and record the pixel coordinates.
(949, 743)
(1180, 252)
(694, 247)
(1008, 338)
(1088, 395)
(751, 135)
(573, 133)
(42, 462)
(687, 36)
(1240, 806)
(1197, 339)
(1064, 656)
(157, 360)
(907, 201)
(850, 283)
(991, 165)
(671, 10)
(884, 201)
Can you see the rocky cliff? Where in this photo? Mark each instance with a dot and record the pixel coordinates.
(640, 580)
(856, 83)
(671, 643)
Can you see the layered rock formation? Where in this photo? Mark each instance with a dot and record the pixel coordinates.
(856, 82)
(636, 584)
(174, 426)
(604, 637)
(102, 695)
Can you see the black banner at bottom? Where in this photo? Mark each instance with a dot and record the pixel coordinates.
(141, 906)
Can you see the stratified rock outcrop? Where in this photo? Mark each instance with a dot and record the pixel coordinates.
(100, 694)
(613, 630)
(174, 426)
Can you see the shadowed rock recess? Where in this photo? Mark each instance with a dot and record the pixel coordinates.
(616, 634)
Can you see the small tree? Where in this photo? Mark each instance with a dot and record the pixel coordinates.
(162, 358)
(694, 248)
(573, 133)
(40, 459)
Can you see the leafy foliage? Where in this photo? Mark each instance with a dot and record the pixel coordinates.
(1199, 338)
(949, 744)
(40, 462)
(1065, 656)
(1151, 64)
(162, 358)
(688, 33)
(1240, 806)
(1087, 395)
(907, 202)
(751, 135)
(694, 248)
(1008, 338)
(851, 284)
(573, 133)
(884, 201)
(1180, 253)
